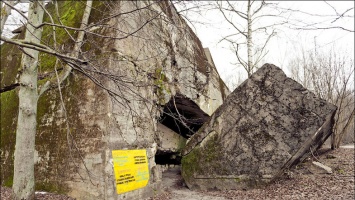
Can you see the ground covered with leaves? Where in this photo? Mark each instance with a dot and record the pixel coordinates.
(305, 181)
(6, 195)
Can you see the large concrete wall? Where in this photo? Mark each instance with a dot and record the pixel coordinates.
(160, 60)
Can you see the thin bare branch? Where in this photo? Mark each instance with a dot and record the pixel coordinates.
(241, 14)
(322, 28)
(41, 48)
(258, 9)
(76, 50)
(342, 15)
(230, 22)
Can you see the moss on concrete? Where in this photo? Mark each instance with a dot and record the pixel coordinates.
(51, 137)
(8, 182)
(194, 162)
(50, 187)
(190, 165)
(9, 110)
(181, 144)
(161, 84)
(70, 13)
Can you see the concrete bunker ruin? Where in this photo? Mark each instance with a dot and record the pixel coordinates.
(179, 120)
(163, 59)
(265, 126)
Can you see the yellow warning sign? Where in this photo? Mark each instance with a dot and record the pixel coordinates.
(131, 169)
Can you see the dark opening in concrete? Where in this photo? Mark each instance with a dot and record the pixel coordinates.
(183, 116)
(167, 158)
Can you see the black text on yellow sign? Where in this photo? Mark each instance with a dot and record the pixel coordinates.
(131, 169)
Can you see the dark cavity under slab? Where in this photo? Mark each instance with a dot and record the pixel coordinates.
(167, 158)
(183, 116)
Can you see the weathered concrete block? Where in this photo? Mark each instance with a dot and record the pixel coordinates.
(327, 169)
(268, 124)
(170, 140)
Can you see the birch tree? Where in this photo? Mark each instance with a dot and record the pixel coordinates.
(24, 181)
(247, 30)
(23, 185)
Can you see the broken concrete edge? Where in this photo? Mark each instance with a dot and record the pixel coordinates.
(190, 166)
(307, 149)
(190, 161)
(193, 151)
(170, 141)
(222, 85)
(196, 139)
(202, 133)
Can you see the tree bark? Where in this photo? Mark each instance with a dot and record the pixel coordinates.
(250, 41)
(23, 183)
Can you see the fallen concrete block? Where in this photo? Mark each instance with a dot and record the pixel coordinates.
(324, 167)
(268, 124)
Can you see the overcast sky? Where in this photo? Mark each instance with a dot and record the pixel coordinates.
(287, 42)
(281, 47)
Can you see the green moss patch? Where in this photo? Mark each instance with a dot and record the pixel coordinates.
(161, 85)
(51, 139)
(195, 161)
(9, 111)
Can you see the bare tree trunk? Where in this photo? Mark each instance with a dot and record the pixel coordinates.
(250, 41)
(23, 183)
(80, 39)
